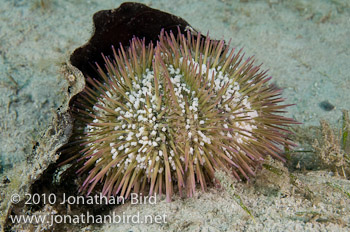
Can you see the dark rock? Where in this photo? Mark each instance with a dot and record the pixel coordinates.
(325, 105)
(119, 26)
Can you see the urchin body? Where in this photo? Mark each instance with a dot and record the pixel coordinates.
(171, 114)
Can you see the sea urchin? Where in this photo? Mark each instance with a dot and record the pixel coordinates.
(164, 117)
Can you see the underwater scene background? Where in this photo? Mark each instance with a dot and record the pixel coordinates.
(304, 45)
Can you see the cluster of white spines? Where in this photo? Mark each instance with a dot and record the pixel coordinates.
(222, 79)
(147, 131)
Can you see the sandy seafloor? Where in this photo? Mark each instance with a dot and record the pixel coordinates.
(304, 44)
